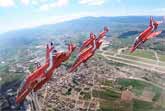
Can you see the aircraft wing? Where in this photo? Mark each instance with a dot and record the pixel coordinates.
(154, 34)
(159, 22)
(79, 61)
(86, 43)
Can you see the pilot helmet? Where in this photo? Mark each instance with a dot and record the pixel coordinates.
(51, 43)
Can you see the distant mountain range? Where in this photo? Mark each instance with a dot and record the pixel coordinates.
(119, 26)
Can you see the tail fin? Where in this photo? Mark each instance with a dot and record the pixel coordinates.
(87, 42)
(102, 34)
(49, 47)
(151, 21)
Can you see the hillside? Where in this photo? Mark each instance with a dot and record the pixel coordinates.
(118, 26)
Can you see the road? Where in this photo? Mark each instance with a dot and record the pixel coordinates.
(156, 56)
(135, 63)
(77, 99)
(93, 82)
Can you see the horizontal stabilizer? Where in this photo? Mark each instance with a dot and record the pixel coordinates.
(154, 34)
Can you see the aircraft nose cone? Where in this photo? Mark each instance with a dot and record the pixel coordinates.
(132, 49)
(17, 100)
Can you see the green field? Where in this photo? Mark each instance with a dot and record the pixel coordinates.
(7, 76)
(162, 57)
(108, 94)
(110, 97)
(138, 86)
(142, 53)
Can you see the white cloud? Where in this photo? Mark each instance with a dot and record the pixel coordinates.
(56, 4)
(34, 2)
(25, 2)
(6, 3)
(70, 16)
(44, 7)
(92, 2)
(151, 12)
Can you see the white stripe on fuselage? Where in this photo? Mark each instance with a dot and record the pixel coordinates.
(50, 60)
(94, 44)
(137, 38)
(153, 26)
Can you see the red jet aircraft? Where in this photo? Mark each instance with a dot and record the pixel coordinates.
(42, 74)
(149, 33)
(88, 49)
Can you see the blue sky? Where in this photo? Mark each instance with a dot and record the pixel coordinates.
(17, 14)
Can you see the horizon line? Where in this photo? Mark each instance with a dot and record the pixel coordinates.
(45, 24)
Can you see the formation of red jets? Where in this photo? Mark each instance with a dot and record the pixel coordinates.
(54, 58)
(43, 73)
(88, 48)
